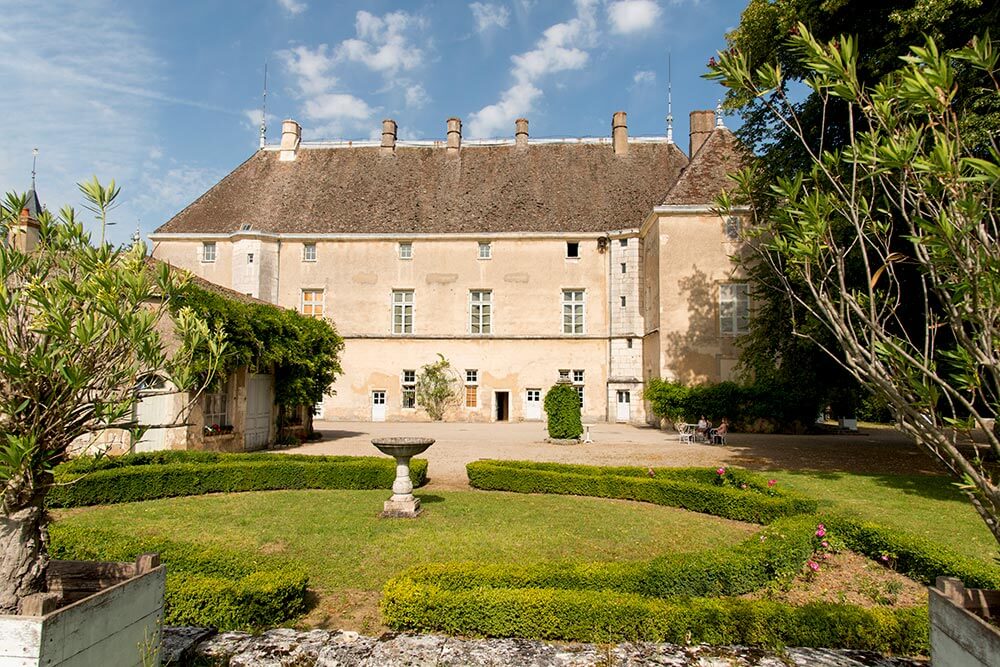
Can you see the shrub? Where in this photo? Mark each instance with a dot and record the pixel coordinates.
(603, 616)
(562, 408)
(779, 550)
(140, 477)
(206, 585)
(694, 489)
(914, 556)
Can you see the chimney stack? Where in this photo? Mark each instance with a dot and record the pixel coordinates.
(521, 133)
(619, 133)
(388, 136)
(702, 124)
(291, 137)
(454, 135)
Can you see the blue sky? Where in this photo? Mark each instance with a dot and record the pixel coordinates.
(164, 97)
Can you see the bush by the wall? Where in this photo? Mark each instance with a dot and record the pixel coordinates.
(603, 616)
(691, 489)
(562, 407)
(142, 479)
(780, 550)
(206, 585)
(746, 406)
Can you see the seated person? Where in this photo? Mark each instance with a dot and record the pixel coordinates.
(702, 429)
(719, 435)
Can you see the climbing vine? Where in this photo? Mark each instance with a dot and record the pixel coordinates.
(304, 352)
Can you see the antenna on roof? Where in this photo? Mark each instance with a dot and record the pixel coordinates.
(718, 115)
(34, 157)
(263, 111)
(670, 101)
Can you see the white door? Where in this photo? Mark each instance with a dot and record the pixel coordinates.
(533, 404)
(624, 405)
(152, 410)
(378, 406)
(258, 421)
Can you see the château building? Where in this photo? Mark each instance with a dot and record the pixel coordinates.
(599, 261)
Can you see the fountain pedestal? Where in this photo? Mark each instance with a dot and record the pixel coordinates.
(402, 504)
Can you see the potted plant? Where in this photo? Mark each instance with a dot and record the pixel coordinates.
(80, 326)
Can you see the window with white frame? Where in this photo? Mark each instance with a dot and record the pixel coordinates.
(402, 311)
(578, 384)
(734, 308)
(573, 311)
(312, 302)
(216, 411)
(471, 387)
(485, 250)
(408, 383)
(208, 252)
(308, 252)
(406, 250)
(480, 311)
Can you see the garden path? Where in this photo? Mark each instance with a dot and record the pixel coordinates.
(873, 450)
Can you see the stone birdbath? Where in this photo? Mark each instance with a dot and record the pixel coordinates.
(402, 504)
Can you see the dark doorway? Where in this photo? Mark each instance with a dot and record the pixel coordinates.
(502, 400)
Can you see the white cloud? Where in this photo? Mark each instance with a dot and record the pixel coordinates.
(488, 15)
(253, 117)
(631, 16)
(416, 97)
(563, 46)
(337, 106)
(644, 77)
(312, 68)
(176, 186)
(293, 6)
(382, 43)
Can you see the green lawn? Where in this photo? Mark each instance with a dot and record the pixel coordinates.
(919, 504)
(342, 543)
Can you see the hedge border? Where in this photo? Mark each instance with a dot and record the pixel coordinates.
(688, 488)
(206, 585)
(604, 616)
(152, 481)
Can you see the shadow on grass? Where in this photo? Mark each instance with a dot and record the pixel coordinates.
(934, 487)
(429, 499)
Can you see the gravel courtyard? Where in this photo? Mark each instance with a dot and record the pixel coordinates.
(874, 450)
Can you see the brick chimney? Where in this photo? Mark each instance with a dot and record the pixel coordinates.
(619, 133)
(388, 136)
(291, 137)
(702, 124)
(454, 135)
(521, 133)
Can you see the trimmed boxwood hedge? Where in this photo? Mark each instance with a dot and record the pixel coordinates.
(777, 551)
(206, 586)
(168, 474)
(695, 489)
(605, 616)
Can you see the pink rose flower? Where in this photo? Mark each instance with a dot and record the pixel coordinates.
(771, 482)
(820, 532)
(813, 565)
(826, 545)
(720, 472)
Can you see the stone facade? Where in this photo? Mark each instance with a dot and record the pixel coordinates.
(538, 252)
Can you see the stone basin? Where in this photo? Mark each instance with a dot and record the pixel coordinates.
(402, 504)
(401, 446)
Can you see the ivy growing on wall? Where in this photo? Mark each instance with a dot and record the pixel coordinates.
(562, 406)
(303, 352)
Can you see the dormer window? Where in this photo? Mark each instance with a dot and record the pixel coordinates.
(572, 249)
(245, 227)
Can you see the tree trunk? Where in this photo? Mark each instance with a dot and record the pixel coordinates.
(23, 556)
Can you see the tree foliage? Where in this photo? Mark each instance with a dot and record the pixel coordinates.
(437, 387)
(883, 30)
(79, 328)
(304, 352)
(562, 408)
(890, 241)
